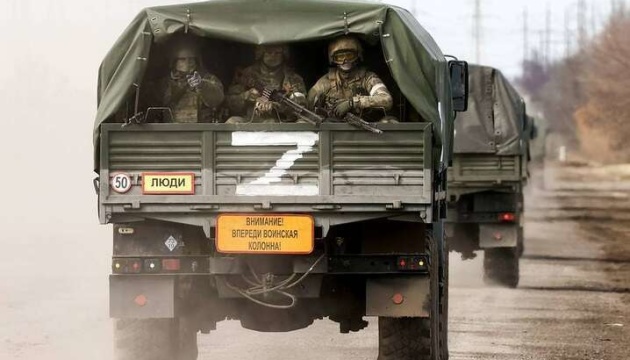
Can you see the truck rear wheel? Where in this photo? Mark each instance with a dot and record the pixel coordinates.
(155, 339)
(520, 241)
(444, 308)
(500, 267)
(404, 338)
(412, 338)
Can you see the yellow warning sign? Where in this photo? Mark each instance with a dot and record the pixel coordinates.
(264, 234)
(168, 183)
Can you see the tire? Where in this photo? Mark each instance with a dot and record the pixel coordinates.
(155, 339)
(500, 267)
(444, 308)
(410, 338)
(404, 338)
(521, 241)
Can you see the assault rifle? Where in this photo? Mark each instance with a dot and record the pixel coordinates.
(280, 97)
(349, 118)
(356, 121)
(295, 108)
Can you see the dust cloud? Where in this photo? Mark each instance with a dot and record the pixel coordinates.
(54, 256)
(466, 273)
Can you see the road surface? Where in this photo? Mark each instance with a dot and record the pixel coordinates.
(573, 301)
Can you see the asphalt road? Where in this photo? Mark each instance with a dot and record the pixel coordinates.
(573, 301)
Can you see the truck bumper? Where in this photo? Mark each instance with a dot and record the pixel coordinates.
(141, 297)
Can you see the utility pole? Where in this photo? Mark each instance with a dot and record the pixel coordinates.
(477, 31)
(548, 36)
(525, 34)
(593, 20)
(542, 47)
(581, 21)
(567, 33)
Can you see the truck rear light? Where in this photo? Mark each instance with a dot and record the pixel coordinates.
(171, 264)
(152, 265)
(126, 266)
(117, 266)
(135, 266)
(507, 217)
(407, 263)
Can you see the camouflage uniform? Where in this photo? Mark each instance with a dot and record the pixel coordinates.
(365, 88)
(259, 75)
(189, 91)
(190, 105)
(365, 92)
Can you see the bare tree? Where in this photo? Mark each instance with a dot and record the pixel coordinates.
(603, 119)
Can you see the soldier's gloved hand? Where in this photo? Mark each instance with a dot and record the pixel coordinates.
(342, 108)
(263, 105)
(251, 95)
(194, 80)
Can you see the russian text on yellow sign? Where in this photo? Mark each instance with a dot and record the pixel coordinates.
(264, 234)
(168, 183)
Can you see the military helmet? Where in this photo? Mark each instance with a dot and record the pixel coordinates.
(260, 50)
(346, 43)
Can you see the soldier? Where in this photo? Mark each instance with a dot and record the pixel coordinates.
(349, 87)
(191, 93)
(270, 71)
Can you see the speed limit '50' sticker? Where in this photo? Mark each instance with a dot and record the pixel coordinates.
(120, 182)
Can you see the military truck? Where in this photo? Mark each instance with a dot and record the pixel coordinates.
(277, 225)
(487, 176)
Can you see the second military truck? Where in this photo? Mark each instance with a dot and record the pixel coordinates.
(487, 176)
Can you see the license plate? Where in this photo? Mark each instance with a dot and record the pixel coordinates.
(168, 183)
(264, 234)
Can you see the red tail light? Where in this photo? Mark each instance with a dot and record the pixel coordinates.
(411, 263)
(170, 264)
(507, 217)
(136, 266)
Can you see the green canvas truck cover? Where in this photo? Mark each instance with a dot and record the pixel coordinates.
(415, 61)
(495, 120)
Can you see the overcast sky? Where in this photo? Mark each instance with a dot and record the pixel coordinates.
(52, 51)
(502, 26)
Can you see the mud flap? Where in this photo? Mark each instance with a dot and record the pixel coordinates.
(141, 297)
(498, 235)
(398, 297)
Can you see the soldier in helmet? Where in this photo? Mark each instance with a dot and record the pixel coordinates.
(191, 93)
(349, 87)
(270, 71)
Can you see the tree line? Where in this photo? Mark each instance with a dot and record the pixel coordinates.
(586, 96)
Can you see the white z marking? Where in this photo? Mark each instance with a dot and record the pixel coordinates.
(265, 185)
